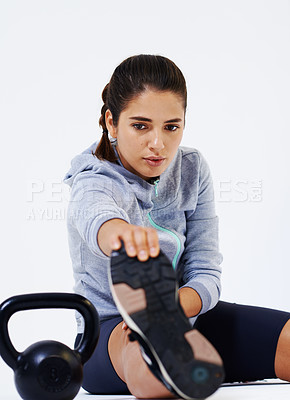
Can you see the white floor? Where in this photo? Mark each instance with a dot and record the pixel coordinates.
(270, 390)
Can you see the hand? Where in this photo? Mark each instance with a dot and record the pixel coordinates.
(138, 240)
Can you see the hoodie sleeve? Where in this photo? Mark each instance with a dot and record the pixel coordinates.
(201, 258)
(93, 201)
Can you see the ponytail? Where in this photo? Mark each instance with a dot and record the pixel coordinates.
(104, 150)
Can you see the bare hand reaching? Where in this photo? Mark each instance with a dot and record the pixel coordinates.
(138, 240)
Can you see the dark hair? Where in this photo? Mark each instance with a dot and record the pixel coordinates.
(130, 79)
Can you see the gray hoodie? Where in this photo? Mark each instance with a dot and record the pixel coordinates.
(179, 204)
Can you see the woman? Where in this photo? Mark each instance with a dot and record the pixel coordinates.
(139, 188)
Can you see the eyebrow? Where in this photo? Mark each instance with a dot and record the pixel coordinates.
(138, 118)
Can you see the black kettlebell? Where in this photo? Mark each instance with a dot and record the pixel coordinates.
(49, 370)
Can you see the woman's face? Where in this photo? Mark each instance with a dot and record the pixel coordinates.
(149, 132)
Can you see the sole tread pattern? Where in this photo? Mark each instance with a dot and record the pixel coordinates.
(160, 325)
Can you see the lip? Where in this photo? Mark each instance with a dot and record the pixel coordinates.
(154, 161)
(154, 158)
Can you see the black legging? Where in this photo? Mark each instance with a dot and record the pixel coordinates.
(245, 336)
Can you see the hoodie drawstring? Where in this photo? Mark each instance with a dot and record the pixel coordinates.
(155, 184)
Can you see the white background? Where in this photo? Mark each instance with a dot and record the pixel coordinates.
(56, 57)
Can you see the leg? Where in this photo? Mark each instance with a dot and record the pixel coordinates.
(282, 358)
(128, 363)
(246, 338)
(115, 361)
(99, 375)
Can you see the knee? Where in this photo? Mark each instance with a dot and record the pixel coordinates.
(139, 379)
(282, 358)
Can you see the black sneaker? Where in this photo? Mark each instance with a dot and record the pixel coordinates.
(146, 296)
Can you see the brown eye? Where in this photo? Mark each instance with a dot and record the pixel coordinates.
(172, 128)
(139, 127)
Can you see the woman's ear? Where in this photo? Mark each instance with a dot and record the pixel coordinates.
(112, 129)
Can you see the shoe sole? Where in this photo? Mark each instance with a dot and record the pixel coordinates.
(146, 295)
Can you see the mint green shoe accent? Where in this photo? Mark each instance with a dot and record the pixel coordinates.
(174, 261)
(155, 184)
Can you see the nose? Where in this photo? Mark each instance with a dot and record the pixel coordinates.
(156, 140)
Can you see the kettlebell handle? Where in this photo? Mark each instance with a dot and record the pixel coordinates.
(49, 300)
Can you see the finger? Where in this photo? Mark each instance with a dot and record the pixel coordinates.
(115, 242)
(153, 242)
(140, 238)
(129, 242)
